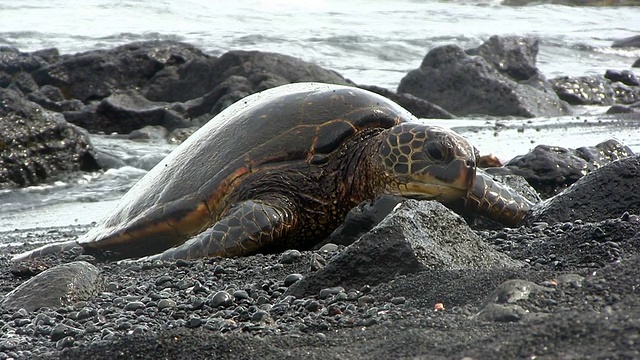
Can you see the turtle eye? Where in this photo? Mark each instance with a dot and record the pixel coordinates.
(438, 151)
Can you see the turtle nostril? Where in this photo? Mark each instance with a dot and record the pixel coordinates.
(470, 163)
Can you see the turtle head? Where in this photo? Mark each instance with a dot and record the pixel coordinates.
(427, 162)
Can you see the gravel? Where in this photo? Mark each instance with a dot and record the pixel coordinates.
(577, 297)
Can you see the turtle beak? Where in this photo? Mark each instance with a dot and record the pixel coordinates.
(453, 181)
(460, 174)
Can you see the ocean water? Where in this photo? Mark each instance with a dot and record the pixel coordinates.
(370, 42)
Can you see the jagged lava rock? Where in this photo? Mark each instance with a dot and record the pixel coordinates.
(37, 145)
(416, 236)
(605, 193)
(464, 84)
(96, 74)
(550, 169)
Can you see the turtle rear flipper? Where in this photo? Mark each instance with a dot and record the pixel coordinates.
(249, 227)
(47, 249)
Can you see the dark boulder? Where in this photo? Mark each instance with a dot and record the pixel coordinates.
(584, 90)
(263, 70)
(625, 76)
(125, 111)
(208, 85)
(232, 89)
(13, 60)
(631, 41)
(185, 82)
(550, 169)
(23, 82)
(608, 192)
(37, 145)
(624, 109)
(624, 94)
(96, 74)
(59, 286)
(416, 236)
(418, 107)
(464, 84)
(636, 63)
(513, 56)
(51, 98)
(615, 87)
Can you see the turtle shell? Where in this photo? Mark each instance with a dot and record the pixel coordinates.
(185, 193)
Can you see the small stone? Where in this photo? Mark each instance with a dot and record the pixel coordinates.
(566, 226)
(366, 299)
(112, 286)
(312, 306)
(221, 298)
(21, 313)
(329, 247)
(61, 330)
(162, 280)
(398, 300)
(197, 303)
(86, 313)
(134, 305)
(368, 322)
(317, 262)
(324, 293)
(240, 294)
(194, 322)
(65, 342)
(140, 329)
(125, 325)
(280, 308)
(165, 304)
(260, 316)
(183, 263)
(290, 256)
(291, 279)
(262, 300)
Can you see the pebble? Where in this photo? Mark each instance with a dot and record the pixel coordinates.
(165, 304)
(291, 279)
(290, 256)
(329, 247)
(164, 280)
(398, 300)
(260, 316)
(317, 262)
(221, 298)
(312, 305)
(326, 292)
(241, 294)
(366, 299)
(61, 330)
(194, 322)
(134, 305)
(65, 342)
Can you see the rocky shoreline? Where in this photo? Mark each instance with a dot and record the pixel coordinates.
(420, 283)
(48, 98)
(399, 279)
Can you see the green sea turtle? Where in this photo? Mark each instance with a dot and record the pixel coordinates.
(280, 169)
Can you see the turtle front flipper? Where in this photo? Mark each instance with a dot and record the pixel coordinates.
(494, 201)
(247, 228)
